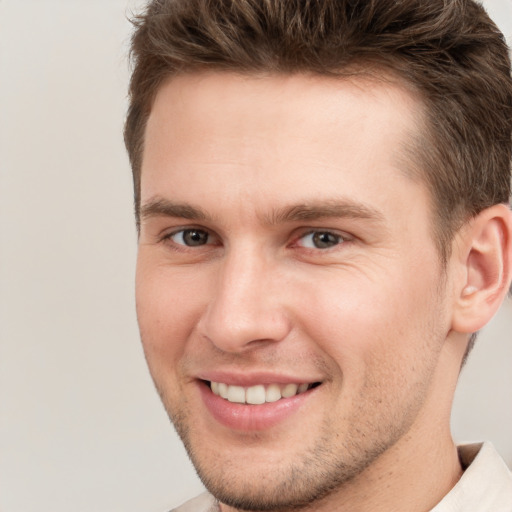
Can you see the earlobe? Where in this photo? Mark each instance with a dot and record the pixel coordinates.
(485, 253)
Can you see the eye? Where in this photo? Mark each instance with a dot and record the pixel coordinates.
(320, 240)
(191, 237)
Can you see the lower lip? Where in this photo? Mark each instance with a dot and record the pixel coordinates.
(246, 417)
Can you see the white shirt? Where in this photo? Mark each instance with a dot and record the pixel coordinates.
(485, 486)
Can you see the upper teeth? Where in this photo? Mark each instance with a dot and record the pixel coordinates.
(258, 394)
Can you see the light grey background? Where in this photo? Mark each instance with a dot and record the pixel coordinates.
(81, 427)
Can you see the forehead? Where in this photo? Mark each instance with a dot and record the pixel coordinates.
(276, 137)
(288, 103)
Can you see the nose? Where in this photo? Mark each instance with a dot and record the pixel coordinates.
(246, 306)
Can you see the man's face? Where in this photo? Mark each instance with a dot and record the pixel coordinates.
(288, 259)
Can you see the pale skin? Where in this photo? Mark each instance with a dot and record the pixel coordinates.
(282, 240)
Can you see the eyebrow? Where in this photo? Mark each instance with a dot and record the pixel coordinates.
(333, 208)
(166, 208)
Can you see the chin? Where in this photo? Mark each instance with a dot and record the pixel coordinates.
(280, 482)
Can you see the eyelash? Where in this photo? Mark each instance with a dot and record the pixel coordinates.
(335, 238)
(178, 246)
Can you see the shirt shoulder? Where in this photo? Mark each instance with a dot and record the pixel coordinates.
(203, 503)
(486, 484)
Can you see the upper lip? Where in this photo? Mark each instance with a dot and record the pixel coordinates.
(253, 378)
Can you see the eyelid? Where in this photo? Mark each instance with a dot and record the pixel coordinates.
(214, 239)
(342, 235)
(167, 235)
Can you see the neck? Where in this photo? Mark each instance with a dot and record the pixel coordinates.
(410, 477)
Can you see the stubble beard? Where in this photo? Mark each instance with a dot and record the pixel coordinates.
(315, 475)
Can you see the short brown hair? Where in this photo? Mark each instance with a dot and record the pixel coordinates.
(447, 50)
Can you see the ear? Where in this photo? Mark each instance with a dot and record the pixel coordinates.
(483, 252)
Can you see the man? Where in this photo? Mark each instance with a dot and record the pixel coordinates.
(322, 194)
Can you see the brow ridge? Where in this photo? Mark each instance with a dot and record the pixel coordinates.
(325, 209)
(306, 211)
(165, 208)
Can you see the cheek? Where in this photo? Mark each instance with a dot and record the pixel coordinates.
(384, 344)
(167, 310)
(363, 323)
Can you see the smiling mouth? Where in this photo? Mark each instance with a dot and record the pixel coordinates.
(259, 394)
